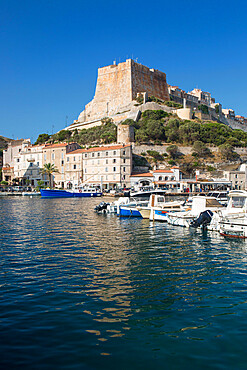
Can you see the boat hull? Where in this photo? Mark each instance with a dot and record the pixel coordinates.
(129, 212)
(54, 193)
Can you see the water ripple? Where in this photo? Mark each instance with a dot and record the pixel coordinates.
(80, 290)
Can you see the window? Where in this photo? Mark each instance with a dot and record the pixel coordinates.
(85, 170)
(114, 169)
(114, 152)
(106, 153)
(19, 150)
(236, 176)
(106, 177)
(45, 157)
(17, 160)
(85, 155)
(62, 163)
(74, 159)
(106, 169)
(98, 154)
(67, 159)
(160, 178)
(124, 160)
(62, 169)
(67, 167)
(124, 169)
(62, 155)
(74, 166)
(38, 164)
(106, 161)
(53, 156)
(114, 160)
(98, 161)
(124, 152)
(92, 154)
(123, 177)
(31, 165)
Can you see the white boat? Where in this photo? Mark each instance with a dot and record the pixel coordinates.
(158, 207)
(146, 191)
(236, 208)
(199, 205)
(30, 193)
(232, 222)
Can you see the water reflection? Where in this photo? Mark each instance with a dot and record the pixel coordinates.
(114, 286)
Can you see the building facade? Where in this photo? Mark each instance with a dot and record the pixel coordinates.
(56, 154)
(108, 166)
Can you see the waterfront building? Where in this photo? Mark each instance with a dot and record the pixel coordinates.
(74, 168)
(163, 178)
(55, 154)
(27, 165)
(109, 166)
(237, 179)
(9, 155)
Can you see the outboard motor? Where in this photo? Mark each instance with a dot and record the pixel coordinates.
(203, 220)
(101, 207)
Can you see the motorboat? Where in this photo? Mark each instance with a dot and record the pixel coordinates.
(235, 209)
(78, 192)
(158, 206)
(146, 191)
(130, 210)
(200, 205)
(232, 221)
(113, 207)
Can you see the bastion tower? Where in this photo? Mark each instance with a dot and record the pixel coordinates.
(117, 87)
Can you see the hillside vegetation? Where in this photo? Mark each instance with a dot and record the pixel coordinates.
(159, 126)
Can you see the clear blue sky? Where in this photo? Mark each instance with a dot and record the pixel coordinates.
(50, 51)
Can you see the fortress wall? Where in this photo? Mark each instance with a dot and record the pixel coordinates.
(113, 91)
(148, 80)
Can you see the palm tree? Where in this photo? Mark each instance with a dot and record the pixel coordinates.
(49, 169)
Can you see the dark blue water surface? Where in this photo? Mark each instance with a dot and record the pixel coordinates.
(87, 291)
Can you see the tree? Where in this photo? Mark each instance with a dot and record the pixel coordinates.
(200, 149)
(42, 138)
(227, 152)
(173, 151)
(49, 169)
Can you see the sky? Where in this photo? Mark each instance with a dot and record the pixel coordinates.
(50, 51)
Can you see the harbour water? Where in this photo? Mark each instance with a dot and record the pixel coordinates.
(87, 291)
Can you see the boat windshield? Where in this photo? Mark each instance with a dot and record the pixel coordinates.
(238, 202)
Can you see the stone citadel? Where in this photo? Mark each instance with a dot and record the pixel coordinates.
(118, 87)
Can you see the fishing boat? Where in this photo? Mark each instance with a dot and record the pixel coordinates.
(201, 213)
(78, 192)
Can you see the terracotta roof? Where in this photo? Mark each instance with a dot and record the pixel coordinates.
(77, 151)
(176, 167)
(48, 146)
(102, 148)
(163, 171)
(147, 174)
(6, 168)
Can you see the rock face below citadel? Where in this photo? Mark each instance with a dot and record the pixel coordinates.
(116, 90)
